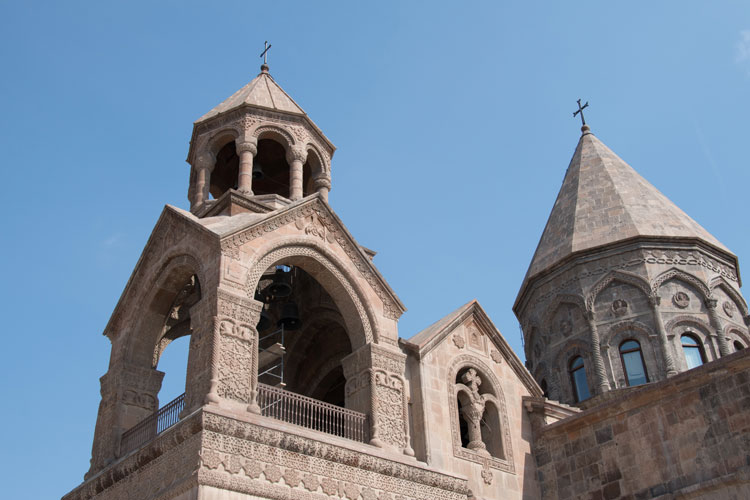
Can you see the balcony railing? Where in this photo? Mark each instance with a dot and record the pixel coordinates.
(153, 425)
(311, 413)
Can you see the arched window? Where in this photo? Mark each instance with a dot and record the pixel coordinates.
(578, 379)
(543, 385)
(693, 353)
(478, 414)
(632, 363)
(738, 345)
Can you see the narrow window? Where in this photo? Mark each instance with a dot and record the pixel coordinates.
(578, 379)
(693, 352)
(632, 363)
(738, 345)
(543, 385)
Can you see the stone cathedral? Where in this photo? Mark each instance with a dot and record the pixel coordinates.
(298, 386)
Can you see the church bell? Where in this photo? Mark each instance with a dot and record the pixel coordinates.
(257, 171)
(281, 285)
(264, 322)
(290, 316)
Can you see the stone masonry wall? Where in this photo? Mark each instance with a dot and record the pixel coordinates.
(685, 437)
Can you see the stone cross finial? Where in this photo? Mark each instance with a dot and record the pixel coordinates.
(471, 379)
(264, 54)
(580, 110)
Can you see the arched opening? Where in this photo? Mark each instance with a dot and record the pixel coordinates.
(545, 390)
(226, 170)
(632, 363)
(738, 346)
(270, 169)
(577, 371)
(693, 351)
(173, 362)
(479, 423)
(310, 170)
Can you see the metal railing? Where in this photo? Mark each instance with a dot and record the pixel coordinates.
(311, 413)
(152, 426)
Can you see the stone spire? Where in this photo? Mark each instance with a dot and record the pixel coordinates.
(602, 201)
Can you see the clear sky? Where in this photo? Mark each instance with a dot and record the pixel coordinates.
(453, 123)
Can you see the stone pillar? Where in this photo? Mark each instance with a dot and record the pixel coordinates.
(375, 385)
(203, 166)
(322, 186)
(669, 365)
(246, 150)
(473, 415)
(225, 368)
(296, 157)
(601, 375)
(129, 395)
(716, 325)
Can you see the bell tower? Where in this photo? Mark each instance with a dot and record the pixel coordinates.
(296, 386)
(256, 147)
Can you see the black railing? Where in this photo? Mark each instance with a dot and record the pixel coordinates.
(153, 425)
(311, 413)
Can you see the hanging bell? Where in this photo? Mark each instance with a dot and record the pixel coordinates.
(290, 317)
(257, 171)
(264, 322)
(281, 285)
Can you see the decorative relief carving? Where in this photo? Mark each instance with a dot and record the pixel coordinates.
(236, 361)
(458, 339)
(619, 307)
(475, 338)
(729, 308)
(566, 327)
(487, 473)
(238, 308)
(389, 409)
(313, 227)
(230, 247)
(681, 300)
(496, 356)
(273, 473)
(140, 399)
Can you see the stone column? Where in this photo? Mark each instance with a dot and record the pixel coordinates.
(203, 166)
(669, 365)
(225, 368)
(246, 150)
(296, 157)
(473, 415)
(129, 395)
(322, 186)
(596, 354)
(716, 325)
(375, 385)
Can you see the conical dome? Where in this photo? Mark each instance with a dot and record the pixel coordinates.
(603, 201)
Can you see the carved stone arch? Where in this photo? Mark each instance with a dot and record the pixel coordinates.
(221, 138)
(276, 133)
(327, 269)
(506, 463)
(681, 275)
(683, 319)
(733, 332)
(720, 282)
(314, 152)
(560, 299)
(169, 276)
(616, 275)
(641, 333)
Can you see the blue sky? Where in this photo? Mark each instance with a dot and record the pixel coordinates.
(453, 123)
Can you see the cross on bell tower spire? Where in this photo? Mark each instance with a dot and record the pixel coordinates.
(584, 128)
(264, 55)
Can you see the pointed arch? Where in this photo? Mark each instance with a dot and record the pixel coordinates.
(621, 276)
(569, 298)
(720, 282)
(681, 275)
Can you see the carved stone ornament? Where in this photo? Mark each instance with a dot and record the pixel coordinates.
(681, 300)
(566, 327)
(728, 308)
(496, 356)
(487, 474)
(619, 307)
(458, 339)
(312, 226)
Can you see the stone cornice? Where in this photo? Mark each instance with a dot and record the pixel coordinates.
(314, 205)
(724, 265)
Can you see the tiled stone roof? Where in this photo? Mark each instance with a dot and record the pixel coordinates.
(602, 201)
(262, 92)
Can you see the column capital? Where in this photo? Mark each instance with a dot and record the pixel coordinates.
(249, 144)
(296, 153)
(654, 300)
(711, 303)
(322, 182)
(204, 160)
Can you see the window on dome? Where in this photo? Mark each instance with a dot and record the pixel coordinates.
(632, 363)
(578, 379)
(693, 352)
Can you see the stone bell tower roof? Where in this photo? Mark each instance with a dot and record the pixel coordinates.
(261, 92)
(602, 201)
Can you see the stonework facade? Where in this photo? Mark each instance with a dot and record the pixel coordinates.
(299, 387)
